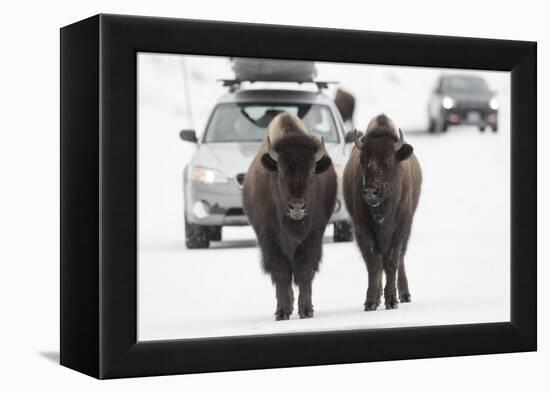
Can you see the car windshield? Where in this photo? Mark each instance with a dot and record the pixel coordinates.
(248, 122)
(465, 84)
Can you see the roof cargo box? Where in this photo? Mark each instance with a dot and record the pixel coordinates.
(273, 70)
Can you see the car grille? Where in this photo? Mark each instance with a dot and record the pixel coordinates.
(234, 211)
(471, 104)
(240, 179)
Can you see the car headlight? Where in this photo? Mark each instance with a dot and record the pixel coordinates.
(208, 175)
(447, 102)
(494, 103)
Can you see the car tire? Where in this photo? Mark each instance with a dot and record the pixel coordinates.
(482, 128)
(197, 236)
(494, 128)
(441, 125)
(216, 233)
(342, 232)
(431, 126)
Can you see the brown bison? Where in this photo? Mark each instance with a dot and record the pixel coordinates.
(289, 194)
(345, 102)
(382, 182)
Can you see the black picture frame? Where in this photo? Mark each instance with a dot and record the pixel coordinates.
(98, 196)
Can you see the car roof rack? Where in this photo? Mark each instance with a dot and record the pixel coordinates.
(234, 84)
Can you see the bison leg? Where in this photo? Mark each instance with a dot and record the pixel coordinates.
(304, 278)
(374, 263)
(306, 264)
(402, 282)
(374, 291)
(390, 291)
(284, 294)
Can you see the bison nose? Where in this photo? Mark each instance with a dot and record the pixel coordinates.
(371, 192)
(297, 204)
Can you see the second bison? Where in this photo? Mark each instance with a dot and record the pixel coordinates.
(289, 194)
(382, 182)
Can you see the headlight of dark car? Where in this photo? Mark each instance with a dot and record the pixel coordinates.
(447, 102)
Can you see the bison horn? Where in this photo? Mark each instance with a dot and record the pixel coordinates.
(399, 144)
(358, 143)
(321, 151)
(272, 153)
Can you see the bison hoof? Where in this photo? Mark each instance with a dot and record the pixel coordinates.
(306, 314)
(282, 316)
(391, 303)
(371, 306)
(405, 298)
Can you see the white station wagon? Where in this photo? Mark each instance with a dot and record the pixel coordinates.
(213, 179)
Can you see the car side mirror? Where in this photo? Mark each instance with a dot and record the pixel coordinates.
(189, 136)
(350, 136)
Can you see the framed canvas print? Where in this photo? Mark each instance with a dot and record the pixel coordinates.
(241, 196)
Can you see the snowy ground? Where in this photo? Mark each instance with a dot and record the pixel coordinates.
(458, 258)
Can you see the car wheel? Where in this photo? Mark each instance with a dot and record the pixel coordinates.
(482, 128)
(494, 128)
(216, 233)
(431, 126)
(342, 232)
(441, 124)
(197, 236)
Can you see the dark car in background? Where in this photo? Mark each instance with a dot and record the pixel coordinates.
(462, 99)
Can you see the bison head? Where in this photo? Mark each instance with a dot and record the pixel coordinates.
(295, 161)
(380, 161)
